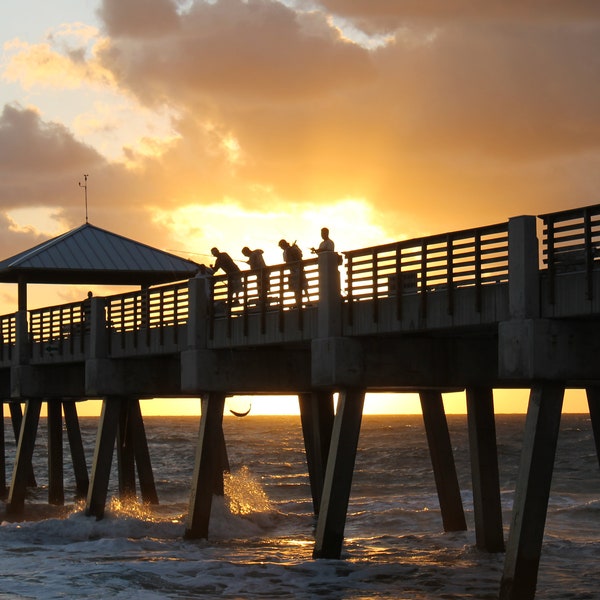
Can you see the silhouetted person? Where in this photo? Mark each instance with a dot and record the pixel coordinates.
(257, 263)
(255, 258)
(228, 266)
(326, 245)
(86, 311)
(292, 256)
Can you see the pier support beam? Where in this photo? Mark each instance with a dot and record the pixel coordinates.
(484, 470)
(317, 415)
(442, 460)
(16, 416)
(593, 398)
(22, 468)
(56, 488)
(532, 492)
(141, 453)
(120, 421)
(338, 475)
(3, 488)
(125, 453)
(103, 455)
(209, 467)
(77, 453)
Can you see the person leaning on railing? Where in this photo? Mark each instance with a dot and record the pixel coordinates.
(234, 275)
(292, 256)
(257, 263)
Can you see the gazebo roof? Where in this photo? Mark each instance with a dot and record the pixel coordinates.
(92, 255)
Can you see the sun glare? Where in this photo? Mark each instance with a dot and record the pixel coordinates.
(230, 226)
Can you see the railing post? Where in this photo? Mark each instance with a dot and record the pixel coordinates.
(330, 319)
(22, 343)
(97, 328)
(523, 268)
(198, 297)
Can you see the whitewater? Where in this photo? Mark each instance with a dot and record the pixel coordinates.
(261, 533)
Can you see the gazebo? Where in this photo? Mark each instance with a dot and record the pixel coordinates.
(91, 255)
(84, 255)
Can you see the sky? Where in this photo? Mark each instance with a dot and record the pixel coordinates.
(235, 123)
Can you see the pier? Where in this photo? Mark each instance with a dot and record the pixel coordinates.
(509, 305)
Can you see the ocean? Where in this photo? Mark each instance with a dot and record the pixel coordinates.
(261, 538)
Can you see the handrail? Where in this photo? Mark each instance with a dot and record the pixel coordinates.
(8, 336)
(446, 263)
(571, 242)
(145, 310)
(262, 291)
(57, 329)
(472, 257)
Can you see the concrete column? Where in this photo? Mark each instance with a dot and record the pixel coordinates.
(330, 317)
(208, 463)
(484, 470)
(98, 333)
(442, 460)
(198, 296)
(103, 454)
(125, 454)
(523, 268)
(3, 488)
(22, 468)
(56, 488)
(317, 416)
(142, 454)
(524, 545)
(16, 417)
(221, 464)
(338, 475)
(593, 398)
(77, 453)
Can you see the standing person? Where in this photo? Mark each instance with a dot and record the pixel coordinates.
(257, 263)
(292, 256)
(326, 245)
(86, 311)
(228, 266)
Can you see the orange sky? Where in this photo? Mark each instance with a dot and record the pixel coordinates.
(234, 123)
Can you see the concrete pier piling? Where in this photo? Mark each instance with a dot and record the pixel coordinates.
(209, 466)
(524, 546)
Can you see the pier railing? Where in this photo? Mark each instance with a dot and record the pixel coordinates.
(269, 291)
(8, 333)
(393, 286)
(142, 318)
(571, 243)
(474, 257)
(58, 330)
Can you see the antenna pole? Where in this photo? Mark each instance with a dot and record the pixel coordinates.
(84, 186)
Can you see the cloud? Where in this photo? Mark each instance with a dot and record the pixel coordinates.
(381, 15)
(442, 123)
(234, 51)
(35, 157)
(66, 60)
(449, 113)
(139, 18)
